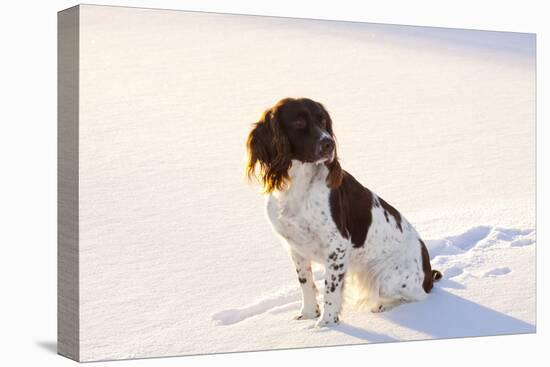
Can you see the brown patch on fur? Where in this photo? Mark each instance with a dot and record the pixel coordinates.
(429, 275)
(388, 209)
(351, 209)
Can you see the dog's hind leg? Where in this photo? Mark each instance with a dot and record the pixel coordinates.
(310, 308)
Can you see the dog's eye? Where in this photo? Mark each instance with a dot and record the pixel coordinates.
(299, 124)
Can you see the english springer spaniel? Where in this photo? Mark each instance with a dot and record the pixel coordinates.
(324, 215)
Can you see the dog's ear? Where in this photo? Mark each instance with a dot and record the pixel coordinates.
(259, 147)
(335, 173)
(268, 152)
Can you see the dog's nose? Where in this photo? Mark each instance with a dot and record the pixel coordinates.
(326, 145)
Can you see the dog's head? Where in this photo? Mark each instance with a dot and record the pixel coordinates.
(293, 129)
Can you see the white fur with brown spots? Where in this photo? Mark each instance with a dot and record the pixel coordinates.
(383, 271)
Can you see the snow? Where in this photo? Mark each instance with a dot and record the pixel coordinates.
(467, 261)
(177, 256)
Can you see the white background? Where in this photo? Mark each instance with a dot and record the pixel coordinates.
(28, 181)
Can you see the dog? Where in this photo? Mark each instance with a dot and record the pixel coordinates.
(326, 216)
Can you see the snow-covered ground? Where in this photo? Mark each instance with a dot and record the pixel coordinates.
(440, 123)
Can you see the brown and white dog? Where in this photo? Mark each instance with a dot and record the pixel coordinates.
(324, 215)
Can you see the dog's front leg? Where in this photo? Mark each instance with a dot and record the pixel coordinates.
(336, 264)
(310, 308)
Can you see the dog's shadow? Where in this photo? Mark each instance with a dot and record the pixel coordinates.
(444, 315)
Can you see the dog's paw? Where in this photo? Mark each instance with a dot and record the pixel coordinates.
(327, 322)
(383, 307)
(378, 308)
(308, 314)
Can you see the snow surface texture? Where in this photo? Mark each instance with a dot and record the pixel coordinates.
(176, 255)
(464, 259)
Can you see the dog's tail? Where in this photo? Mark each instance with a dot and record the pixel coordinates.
(436, 275)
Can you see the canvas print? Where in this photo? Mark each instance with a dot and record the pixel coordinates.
(239, 183)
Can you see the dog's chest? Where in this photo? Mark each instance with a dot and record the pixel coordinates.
(302, 216)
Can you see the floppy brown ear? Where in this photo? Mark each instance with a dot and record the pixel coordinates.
(335, 173)
(259, 149)
(268, 153)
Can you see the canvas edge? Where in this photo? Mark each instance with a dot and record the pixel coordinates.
(68, 323)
